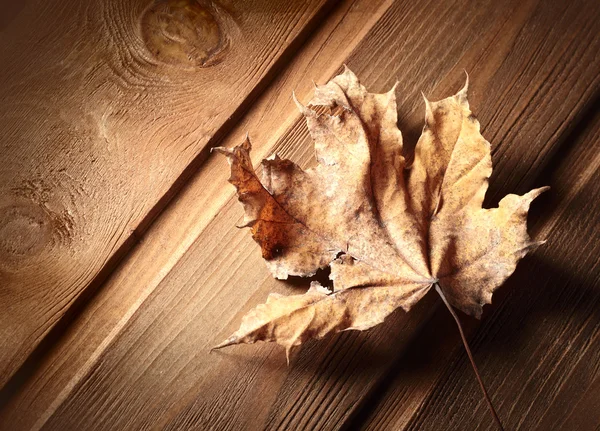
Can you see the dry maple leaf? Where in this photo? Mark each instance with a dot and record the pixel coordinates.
(389, 233)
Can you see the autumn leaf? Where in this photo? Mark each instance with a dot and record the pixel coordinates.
(388, 233)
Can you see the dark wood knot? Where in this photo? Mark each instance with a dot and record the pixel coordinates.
(186, 33)
(24, 231)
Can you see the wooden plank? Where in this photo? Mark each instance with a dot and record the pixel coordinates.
(104, 105)
(551, 343)
(539, 351)
(51, 377)
(229, 391)
(156, 369)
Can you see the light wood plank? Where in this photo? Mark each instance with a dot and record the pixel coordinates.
(104, 105)
(76, 351)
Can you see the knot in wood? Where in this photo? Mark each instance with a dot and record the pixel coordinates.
(185, 33)
(24, 230)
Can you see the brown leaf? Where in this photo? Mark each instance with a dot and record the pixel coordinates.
(396, 231)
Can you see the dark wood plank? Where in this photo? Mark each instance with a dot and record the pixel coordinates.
(508, 71)
(104, 105)
(44, 382)
(539, 350)
(157, 371)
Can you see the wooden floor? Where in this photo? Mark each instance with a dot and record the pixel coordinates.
(120, 262)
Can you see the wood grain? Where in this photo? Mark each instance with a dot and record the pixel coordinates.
(157, 370)
(539, 350)
(104, 106)
(55, 374)
(550, 339)
(533, 68)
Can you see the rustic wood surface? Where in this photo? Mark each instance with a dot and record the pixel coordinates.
(105, 105)
(120, 263)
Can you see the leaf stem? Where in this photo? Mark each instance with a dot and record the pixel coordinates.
(469, 354)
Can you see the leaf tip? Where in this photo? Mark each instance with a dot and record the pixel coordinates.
(228, 342)
(461, 96)
(392, 93)
(466, 86)
(246, 144)
(221, 150)
(536, 244)
(428, 109)
(303, 109)
(536, 192)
